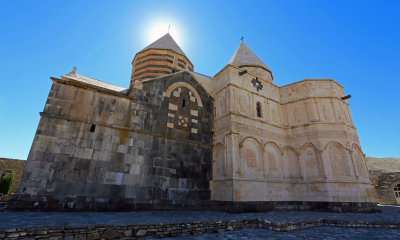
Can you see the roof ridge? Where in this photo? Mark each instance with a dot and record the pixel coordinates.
(92, 81)
(200, 74)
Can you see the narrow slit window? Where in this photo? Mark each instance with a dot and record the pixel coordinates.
(258, 108)
(93, 128)
(183, 103)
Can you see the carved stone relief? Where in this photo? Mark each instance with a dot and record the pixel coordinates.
(183, 110)
(327, 111)
(360, 162)
(297, 113)
(252, 166)
(338, 161)
(257, 84)
(292, 165)
(312, 164)
(272, 159)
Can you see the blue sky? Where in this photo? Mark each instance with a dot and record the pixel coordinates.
(357, 43)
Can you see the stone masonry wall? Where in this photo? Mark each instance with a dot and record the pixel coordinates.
(14, 165)
(293, 143)
(97, 151)
(384, 184)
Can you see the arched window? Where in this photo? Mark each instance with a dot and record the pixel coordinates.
(396, 190)
(258, 108)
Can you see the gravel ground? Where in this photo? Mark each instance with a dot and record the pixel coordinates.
(326, 233)
(49, 219)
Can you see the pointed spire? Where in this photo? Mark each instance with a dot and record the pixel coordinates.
(165, 42)
(245, 57)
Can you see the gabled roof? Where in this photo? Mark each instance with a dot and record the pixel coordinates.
(203, 80)
(245, 57)
(165, 42)
(94, 82)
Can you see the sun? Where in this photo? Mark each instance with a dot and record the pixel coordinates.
(159, 29)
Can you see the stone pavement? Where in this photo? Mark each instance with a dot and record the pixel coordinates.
(75, 219)
(63, 220)
(326, 233)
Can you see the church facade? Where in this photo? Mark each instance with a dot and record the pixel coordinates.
(177, 139)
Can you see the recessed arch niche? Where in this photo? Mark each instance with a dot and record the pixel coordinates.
(292, 164)
(359, 161)
(272, 161)
(311, 162)
(250, 155)
(335, 155)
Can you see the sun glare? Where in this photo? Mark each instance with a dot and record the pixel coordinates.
(159, 29)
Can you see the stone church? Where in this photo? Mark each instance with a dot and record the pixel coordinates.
(177, 139)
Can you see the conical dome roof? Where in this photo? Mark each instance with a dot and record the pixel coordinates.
(160, 58)
(165, 42)
(245, 57)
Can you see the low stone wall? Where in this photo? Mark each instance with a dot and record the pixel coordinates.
(384, 183)
(177, 229)
(17, 167)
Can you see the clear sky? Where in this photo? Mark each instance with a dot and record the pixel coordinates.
(357, 43)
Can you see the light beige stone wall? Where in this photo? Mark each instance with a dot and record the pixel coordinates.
(259, 72)
(303, 147)
(64, 148)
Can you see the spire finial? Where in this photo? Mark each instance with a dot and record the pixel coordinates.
(169, 25)
(242, 38)
(73, 70)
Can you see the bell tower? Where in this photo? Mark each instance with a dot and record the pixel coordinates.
(246, 59)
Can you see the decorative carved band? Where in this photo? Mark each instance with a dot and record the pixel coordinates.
(155, 55)
(153, 60)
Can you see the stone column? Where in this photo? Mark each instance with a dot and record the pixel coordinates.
(232, 158)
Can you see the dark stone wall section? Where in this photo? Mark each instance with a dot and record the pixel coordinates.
(15, 166)
(384, 183)
(150, 103)
(47, 203)
(132, 159)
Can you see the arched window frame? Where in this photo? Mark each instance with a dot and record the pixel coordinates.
(396, 190)
(259, 109)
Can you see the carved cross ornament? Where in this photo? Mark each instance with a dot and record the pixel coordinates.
(257, 84)
(183, 121)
